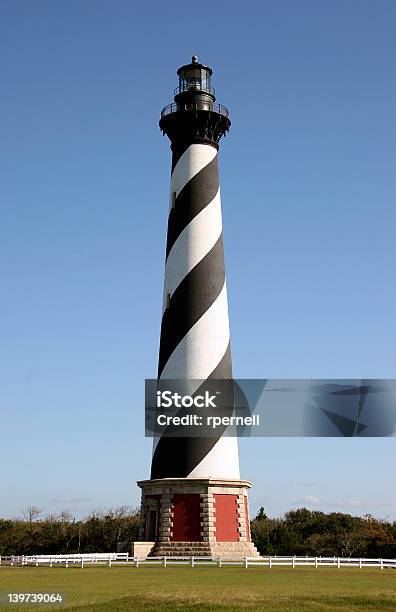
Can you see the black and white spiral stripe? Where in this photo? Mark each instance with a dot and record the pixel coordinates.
(195, 337)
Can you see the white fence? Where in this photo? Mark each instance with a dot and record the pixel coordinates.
(110, 559)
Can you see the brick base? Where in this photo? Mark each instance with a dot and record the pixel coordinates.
(222, 529)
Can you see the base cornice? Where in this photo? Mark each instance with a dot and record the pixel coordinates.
(217, 482)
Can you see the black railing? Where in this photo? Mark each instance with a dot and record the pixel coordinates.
(194, 86)
(216, 108)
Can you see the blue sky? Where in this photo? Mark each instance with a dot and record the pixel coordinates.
(308, 193)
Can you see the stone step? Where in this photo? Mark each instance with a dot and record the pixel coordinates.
(177, 543)
(192, 551)
(204, 545)
(181, 546)
(230, 550)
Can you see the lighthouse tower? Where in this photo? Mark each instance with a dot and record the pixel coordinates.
(195, 502)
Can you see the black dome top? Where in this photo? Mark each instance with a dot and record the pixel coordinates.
(194, 64)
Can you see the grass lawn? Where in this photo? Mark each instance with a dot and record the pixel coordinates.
(103, 589)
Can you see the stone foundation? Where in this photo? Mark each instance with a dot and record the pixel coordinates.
(196, 517)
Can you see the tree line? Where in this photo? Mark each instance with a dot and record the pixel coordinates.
(298, 532)
(61, 533)
(314, 533)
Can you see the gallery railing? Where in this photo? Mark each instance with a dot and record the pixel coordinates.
(201, 105)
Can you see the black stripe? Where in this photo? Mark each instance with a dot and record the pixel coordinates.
(176, 155)
(177, 457)
(192, 298)
(194, 197)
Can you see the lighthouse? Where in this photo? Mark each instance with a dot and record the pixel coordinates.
(195, 502)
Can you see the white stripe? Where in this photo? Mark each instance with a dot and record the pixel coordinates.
(220, 462)
(194, 242)
(196, 157)
(202, 348)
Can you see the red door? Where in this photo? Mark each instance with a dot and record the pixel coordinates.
(226, 518)
(187, 517)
